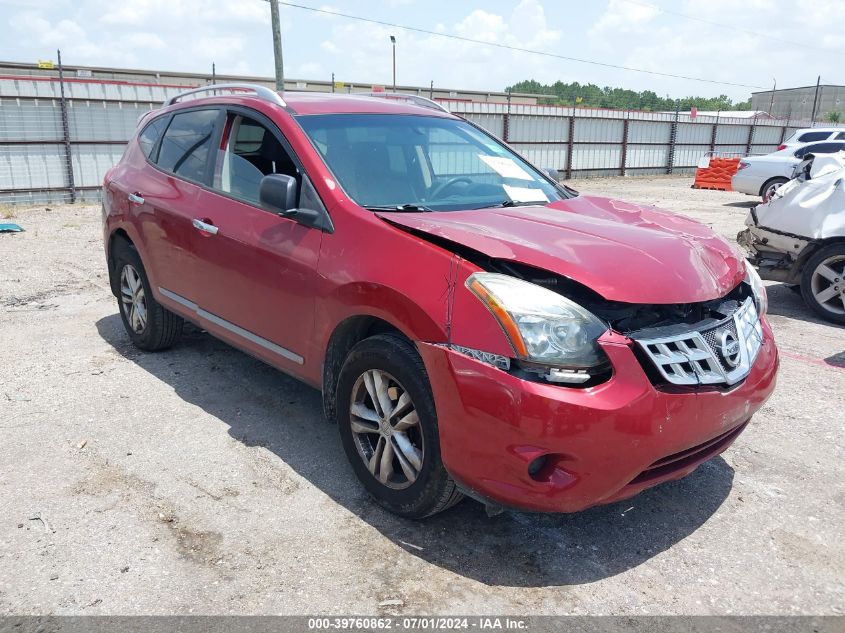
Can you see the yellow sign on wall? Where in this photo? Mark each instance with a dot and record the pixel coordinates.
(45, 64)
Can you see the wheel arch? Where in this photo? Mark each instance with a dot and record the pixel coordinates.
(117, 236)
(343, 338)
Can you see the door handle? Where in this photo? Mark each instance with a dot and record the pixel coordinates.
(135, 198)
(204, 226)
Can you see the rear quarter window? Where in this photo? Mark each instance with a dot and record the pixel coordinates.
(186, 146)
(810, 137)
(149, 136)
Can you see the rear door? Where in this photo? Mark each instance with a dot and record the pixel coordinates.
(258, 270)
(166, 199)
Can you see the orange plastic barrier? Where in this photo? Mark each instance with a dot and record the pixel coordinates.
(717, 175)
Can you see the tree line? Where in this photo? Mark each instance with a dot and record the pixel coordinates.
(591, 95)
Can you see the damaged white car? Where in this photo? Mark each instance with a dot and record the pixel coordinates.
(798, 237)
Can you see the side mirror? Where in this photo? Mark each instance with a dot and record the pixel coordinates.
(277, 193)
(552, 173)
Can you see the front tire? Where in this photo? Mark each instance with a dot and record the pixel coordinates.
(388, 426)
(823, 283)
(150, 326)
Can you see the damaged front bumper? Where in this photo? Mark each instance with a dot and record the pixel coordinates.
(595, 445)
(776, 255)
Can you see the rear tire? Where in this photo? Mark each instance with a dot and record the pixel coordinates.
(385, 406)
(823, 283)
(770, 186)
(150, 326)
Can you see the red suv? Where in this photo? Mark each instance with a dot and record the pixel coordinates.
(475, 327)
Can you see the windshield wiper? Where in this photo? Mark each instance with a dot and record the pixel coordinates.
(410, 208)
(515, 203)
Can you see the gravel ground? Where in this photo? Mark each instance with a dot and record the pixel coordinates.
(201, 481)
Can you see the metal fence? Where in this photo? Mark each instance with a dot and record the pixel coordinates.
(589, 142)
(58, 138)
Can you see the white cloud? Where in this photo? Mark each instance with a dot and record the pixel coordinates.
(361, 51)
(191, 34)
(623, 16)
(753, 45)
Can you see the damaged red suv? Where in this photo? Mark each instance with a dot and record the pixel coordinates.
(475, 327)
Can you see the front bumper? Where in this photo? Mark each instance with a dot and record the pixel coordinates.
(605, 443)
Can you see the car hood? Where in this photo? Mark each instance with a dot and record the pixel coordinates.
(623, 251)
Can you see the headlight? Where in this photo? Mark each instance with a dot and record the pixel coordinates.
(542, 326)
(752, 278)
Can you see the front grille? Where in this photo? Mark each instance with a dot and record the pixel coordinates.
(720, 354)
(712, 338)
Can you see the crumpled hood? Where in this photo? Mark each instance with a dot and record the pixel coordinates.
(623, 251)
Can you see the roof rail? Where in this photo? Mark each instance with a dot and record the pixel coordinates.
(262, 92)
(415, 99)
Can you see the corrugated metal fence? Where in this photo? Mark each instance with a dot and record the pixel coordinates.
(44, 160)
(589, 142)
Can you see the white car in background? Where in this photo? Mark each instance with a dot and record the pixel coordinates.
(798, 237)
(813, 135)
(762, 175)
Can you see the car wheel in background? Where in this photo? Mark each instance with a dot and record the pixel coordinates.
(388, 425)
(150, 326)
(770, 186)
(823, 283)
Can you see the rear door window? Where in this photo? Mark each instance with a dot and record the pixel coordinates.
(810, 137)
(186, 147)
(840, 136)
(820, 148)
(148, 138)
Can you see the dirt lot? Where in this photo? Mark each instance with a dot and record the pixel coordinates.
(201, 481)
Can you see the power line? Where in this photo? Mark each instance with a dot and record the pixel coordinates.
(726, 26)
(509, 47)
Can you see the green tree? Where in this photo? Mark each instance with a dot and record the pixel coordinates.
(833, 116)
(591, 95)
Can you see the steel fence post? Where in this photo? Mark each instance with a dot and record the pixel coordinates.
(66, 131)
(624, 152)
(506, 120)
(714, 132)
(569, 145)
(750, 140)
(673, 134)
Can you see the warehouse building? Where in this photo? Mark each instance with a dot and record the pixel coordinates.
(170, 79)
(797, 103)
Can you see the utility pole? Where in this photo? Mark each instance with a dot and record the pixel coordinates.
(772, 102)
(815, 100)
(213, 73)
(332, 82)
(393, 42)
(277, 45)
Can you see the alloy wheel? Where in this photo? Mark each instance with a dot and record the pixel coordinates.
(386, 429)
(133, 298)
(828, 284)
(770, 191)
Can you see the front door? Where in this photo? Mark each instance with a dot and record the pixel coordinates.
(258, 270)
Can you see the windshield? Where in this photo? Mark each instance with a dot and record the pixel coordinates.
(422, 163)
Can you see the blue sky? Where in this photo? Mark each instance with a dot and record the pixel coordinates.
(760, 40)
